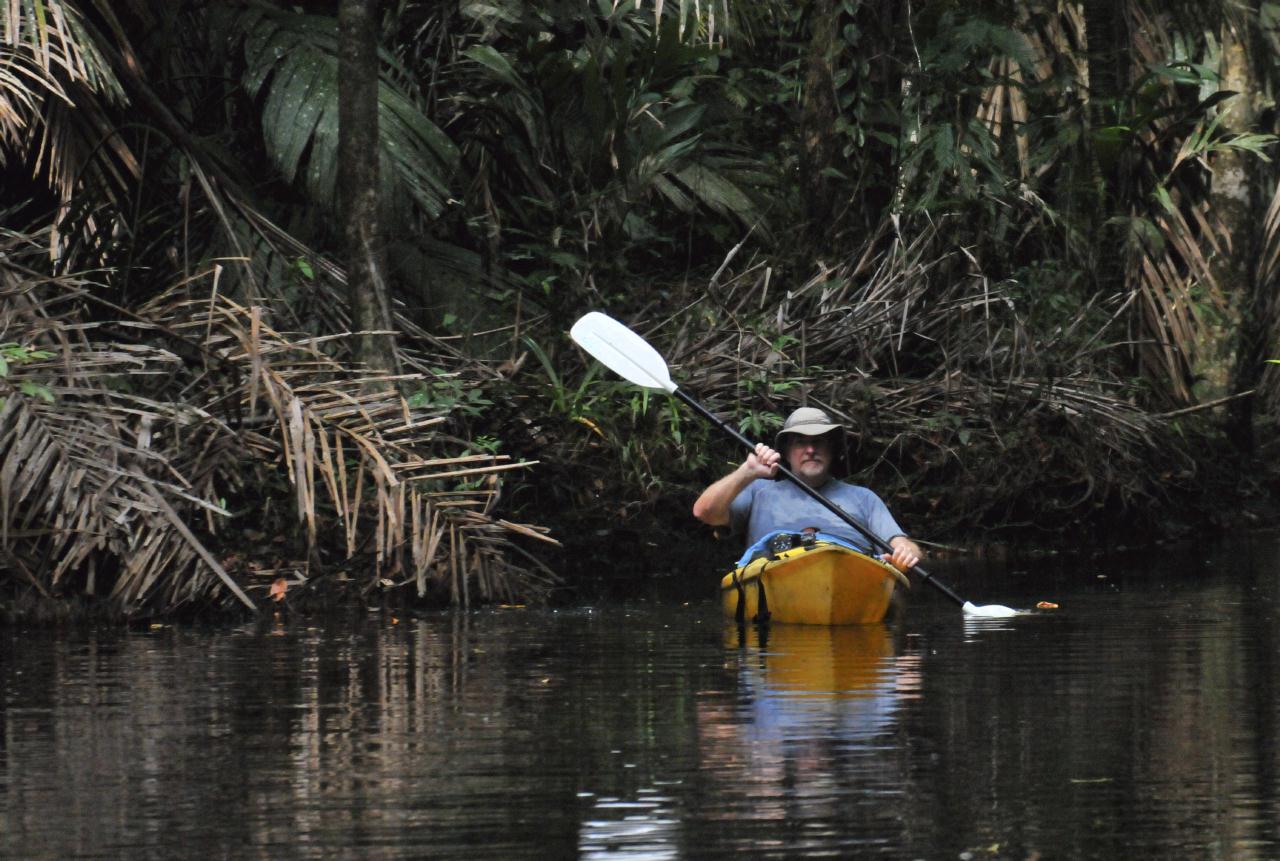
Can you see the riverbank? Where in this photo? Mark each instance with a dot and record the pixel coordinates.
(604, 555)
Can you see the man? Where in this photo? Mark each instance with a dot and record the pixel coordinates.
(809, 440)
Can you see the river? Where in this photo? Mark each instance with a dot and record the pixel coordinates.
(1139, 719)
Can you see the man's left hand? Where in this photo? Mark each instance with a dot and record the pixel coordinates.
(906, 554)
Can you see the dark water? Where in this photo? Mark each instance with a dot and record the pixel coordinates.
(1139, 720)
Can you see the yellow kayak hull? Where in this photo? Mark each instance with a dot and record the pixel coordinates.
(817, 584)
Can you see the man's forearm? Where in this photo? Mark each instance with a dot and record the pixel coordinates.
(712, 507)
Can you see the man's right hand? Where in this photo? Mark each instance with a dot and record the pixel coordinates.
(763, 462)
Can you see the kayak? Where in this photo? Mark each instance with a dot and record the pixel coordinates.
(820, 580)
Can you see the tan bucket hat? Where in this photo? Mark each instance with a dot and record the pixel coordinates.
(809, 421)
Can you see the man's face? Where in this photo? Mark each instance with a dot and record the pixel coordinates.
(810, 456)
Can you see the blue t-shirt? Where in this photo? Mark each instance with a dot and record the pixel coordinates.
(779, 506)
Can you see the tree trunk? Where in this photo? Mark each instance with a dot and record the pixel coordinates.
(1232, 203)
(885, 28)
(358, 195)
(817, 121)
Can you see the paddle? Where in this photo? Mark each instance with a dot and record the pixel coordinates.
(631, 357)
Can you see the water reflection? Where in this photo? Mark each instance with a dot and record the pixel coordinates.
(976, 626)
(801, 749)
(1141, 720)
(645, 829)
(844, 682)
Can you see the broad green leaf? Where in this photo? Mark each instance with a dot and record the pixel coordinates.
(717, 193)
(496, 62)
(35, 390)
(674, 193)
(292, 64)
(306, 86)
(1183, 74)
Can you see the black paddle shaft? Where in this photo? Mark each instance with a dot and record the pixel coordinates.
(876, 540)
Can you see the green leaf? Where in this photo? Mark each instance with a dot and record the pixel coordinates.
(35, 390)
(1110, 134)
(679, 120)
(674, 193)
(884, 137)
(498, 64)
(1249, 142)
(717, 193)
(307, 88)
(1184, 73)
(291, 63)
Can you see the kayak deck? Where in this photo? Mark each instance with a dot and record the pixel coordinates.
(814, 584)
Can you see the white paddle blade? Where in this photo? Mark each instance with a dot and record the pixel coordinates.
(622, 351)
(990, 611)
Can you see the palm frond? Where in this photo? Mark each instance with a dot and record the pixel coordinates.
(941, 373)
(102, 488)
(358, 456)
(83, 494)
(55, 89)
(1267, 272)
(1177, 289)
(50, 35)
(290, 63)
(542, 119)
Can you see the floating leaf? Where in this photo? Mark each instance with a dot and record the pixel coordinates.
(278, 589)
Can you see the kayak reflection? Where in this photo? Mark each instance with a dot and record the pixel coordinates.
(808, 734)
(842, 682)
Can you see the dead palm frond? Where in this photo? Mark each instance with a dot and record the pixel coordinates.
(1166, 266)
(353, 448)
(357, 455)
(1267, 308)
(942, 376)
(87, 503)
(55, 88)
(100, 489)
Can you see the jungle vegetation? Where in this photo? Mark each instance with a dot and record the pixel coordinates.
(284, 286)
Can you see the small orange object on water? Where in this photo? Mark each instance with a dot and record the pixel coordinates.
(278, 588)
(1046, 605)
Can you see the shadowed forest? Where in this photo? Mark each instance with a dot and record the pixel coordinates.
(285, 287)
